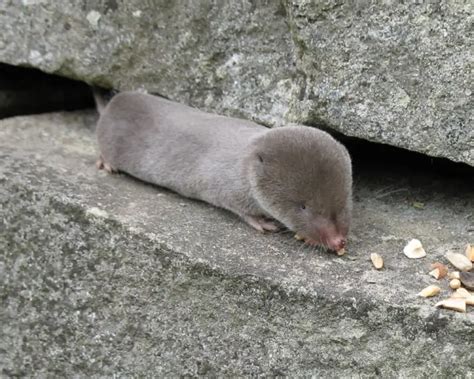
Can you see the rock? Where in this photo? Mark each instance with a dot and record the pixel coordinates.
(392, 73)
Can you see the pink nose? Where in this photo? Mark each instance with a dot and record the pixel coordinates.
(337, 243)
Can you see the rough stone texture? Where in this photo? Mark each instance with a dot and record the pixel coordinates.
(105, 275)
(25, 91)
(393, 72)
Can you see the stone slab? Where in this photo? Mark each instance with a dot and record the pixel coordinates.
(392, 72)
(105, 275)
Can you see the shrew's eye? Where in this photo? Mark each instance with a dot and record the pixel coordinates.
(303, 206)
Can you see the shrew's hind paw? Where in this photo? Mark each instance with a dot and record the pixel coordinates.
(101, 165)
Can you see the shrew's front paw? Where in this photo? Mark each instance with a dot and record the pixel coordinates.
(262, 224)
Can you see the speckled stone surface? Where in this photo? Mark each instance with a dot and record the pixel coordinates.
(393, 72)
(102, 275)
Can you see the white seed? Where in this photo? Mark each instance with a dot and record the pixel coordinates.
(377, 260)
(435, 273)
(453, 304)
(429, 291)
(470, 252)
(414, 249)
(455, 284)
(454, 275)
(461, 262)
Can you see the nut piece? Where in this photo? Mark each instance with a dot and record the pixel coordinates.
(298, 237)
(461, 262)
(455, 284)
(454, 275)
(453, 304)
(467, 279)
(341, 252)
(435, 273)
(461, 293)
(430, 291)
(377, 260)
(439, 269)
(470, 252)
(414, 249)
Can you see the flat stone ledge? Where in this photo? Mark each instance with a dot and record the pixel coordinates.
(105, 275)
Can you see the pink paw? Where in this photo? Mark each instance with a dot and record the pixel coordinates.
(100, 164)
(262, 224)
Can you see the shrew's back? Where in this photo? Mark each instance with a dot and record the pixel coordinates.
(173, 145)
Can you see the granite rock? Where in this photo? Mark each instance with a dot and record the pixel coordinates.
(398, 73)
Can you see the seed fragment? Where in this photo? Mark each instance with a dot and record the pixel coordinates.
(461, 293)
(461, 262)
(455, 284)
(96, 212)
(429, 291)
(435, 273)
(298, 237)
(377, 260)
(418, 205)
(341, 252)
(467, 279)
(439, 270)
(414, 249)
(470, 252)
(454, 304)
(454, 275)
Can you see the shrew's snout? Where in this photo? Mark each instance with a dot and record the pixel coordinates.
(336, 243)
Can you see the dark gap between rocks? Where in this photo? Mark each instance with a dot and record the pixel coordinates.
(26, 91)
(417, 181)
(413, 180)
(382, 156)
(377, 160)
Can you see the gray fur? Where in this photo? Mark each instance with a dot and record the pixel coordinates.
(217, 159)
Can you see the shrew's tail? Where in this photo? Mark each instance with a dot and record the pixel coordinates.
(102, 97)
